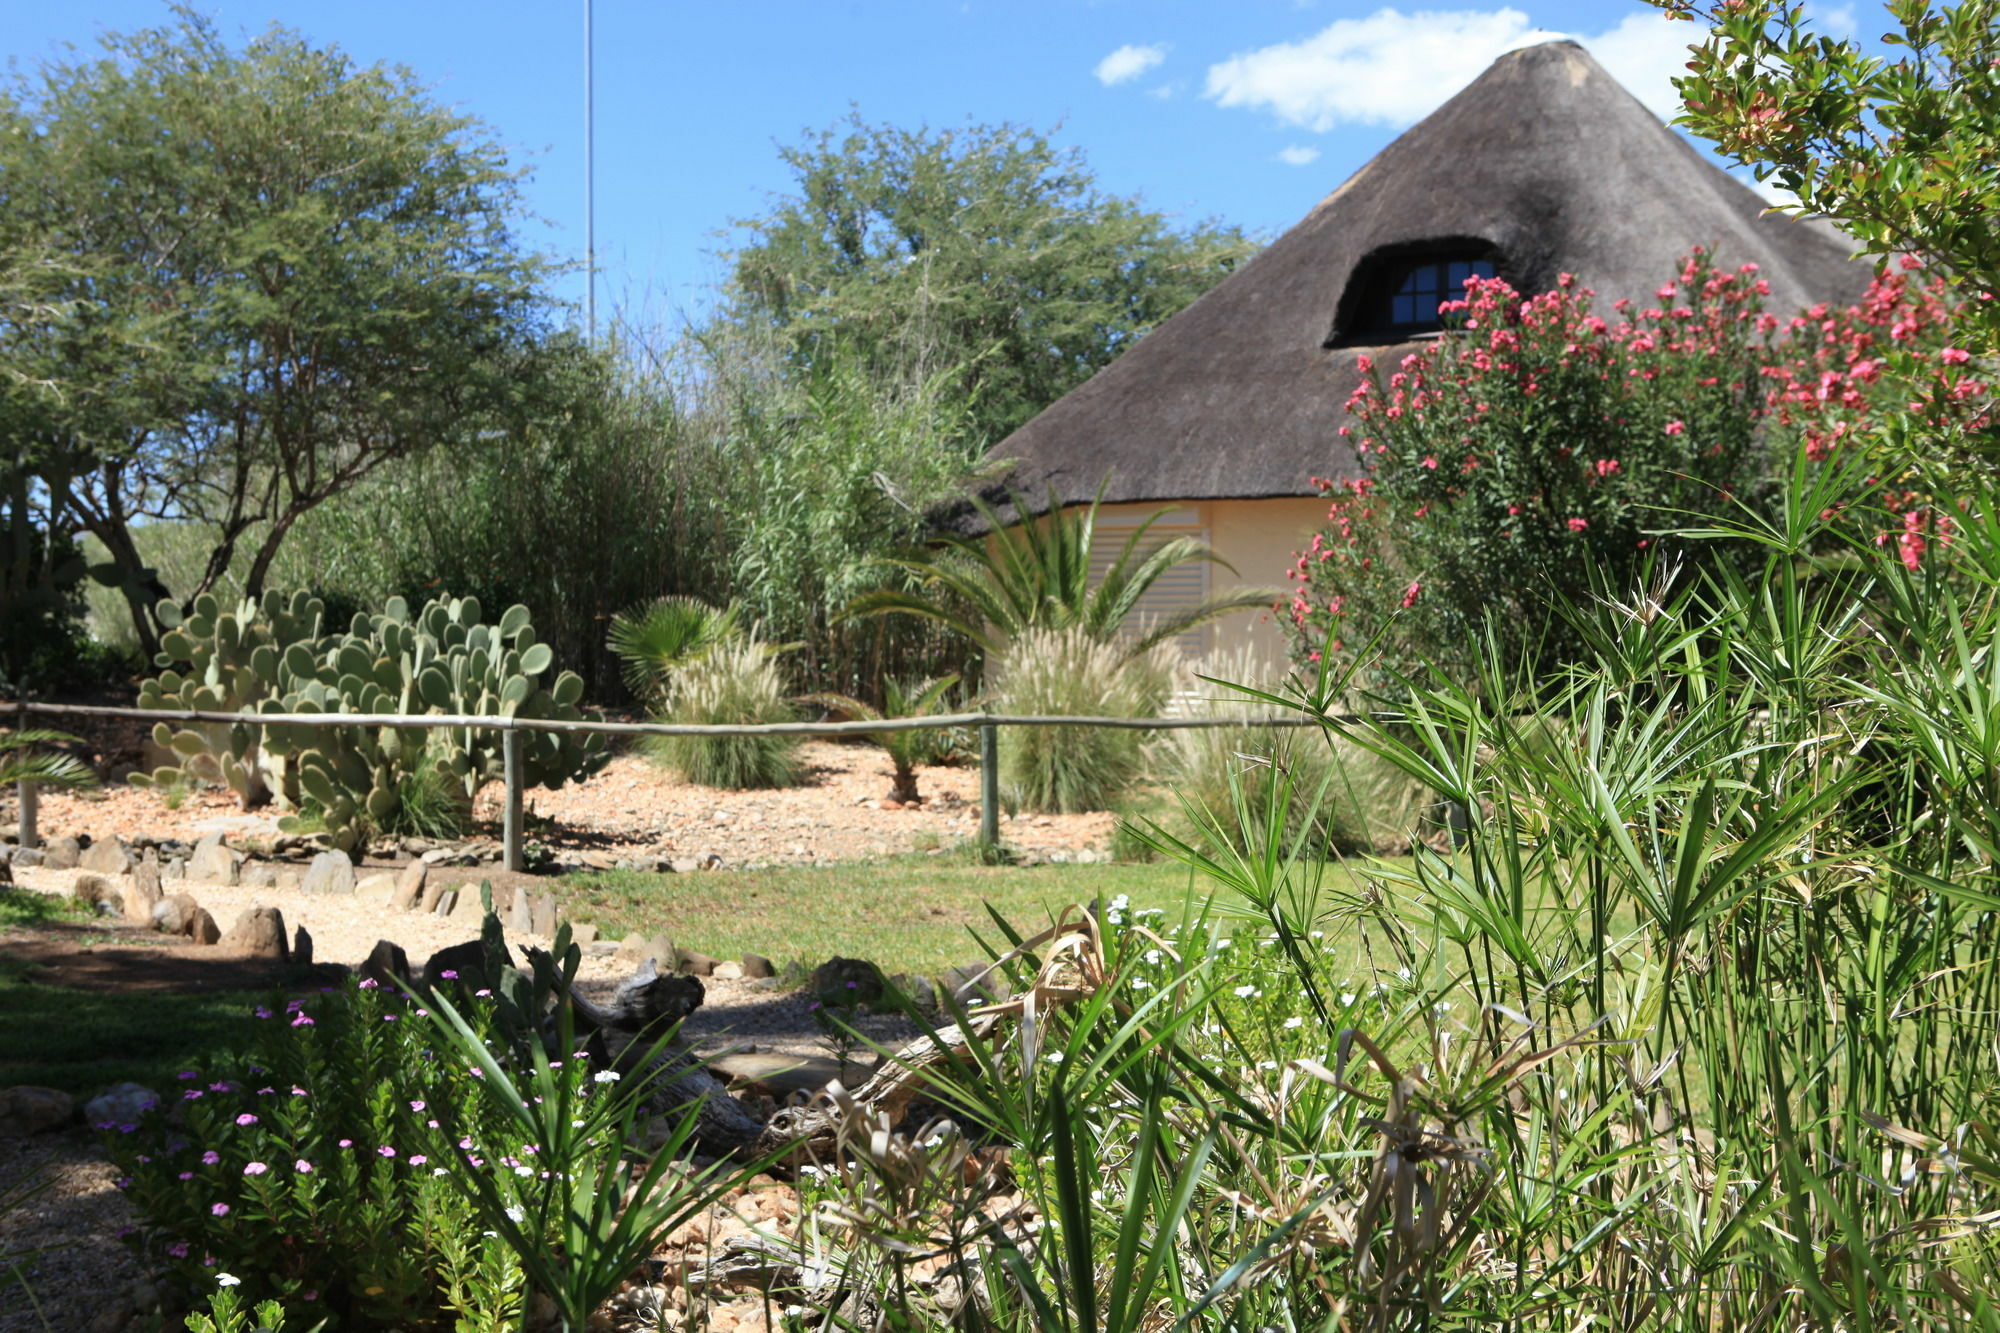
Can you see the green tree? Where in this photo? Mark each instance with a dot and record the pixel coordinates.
(987, 252)
(242, 280)
(1900, 152)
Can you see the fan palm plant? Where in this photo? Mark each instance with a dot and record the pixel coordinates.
(1036, 576)
(21, 759)
(665, 635)
(905, 749)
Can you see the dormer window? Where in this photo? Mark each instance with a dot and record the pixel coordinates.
(1395, 293)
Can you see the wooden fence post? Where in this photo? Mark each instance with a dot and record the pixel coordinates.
(989, 785)
(510, 750)
(29, 796)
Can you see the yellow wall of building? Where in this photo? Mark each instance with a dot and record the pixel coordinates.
(1257, 537)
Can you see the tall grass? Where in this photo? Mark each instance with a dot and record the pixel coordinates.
(1343, 798)
(737, 682)
(1068, 672)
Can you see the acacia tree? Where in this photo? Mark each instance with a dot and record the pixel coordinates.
(985, 252)
(277, 271)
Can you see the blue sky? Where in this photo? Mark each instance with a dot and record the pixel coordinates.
(1248, 111)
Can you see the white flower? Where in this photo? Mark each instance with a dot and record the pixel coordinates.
(225, 1280)
(1295, 1022)
(1267, 1064)
(1152, 956)
(1245, 992)
(605, 1076)
(1347, 997)
(515, 1215)
(1140, 983)
(1054, 1057)
(439, 1171)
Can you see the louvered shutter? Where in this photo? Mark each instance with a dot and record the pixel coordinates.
(1183, 586)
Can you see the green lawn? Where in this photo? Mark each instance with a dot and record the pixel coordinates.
(907, 914)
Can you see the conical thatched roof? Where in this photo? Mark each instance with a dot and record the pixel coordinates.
(1544, 157)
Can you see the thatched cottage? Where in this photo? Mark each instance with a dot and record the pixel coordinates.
(1543, 165)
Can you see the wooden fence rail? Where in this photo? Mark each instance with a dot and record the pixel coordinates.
(989, 725)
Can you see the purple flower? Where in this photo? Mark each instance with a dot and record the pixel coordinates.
(262, 1011)
(418, 1159)
(303, 1167)
(219, 1209)
(386, 1150)
(449, 974)
(179, 1249)
(347, 1143)
(369, 983)
(187, 1175)
(265, 1092)
(186, 1074)
(192, 1095)
(303, 1020)
(254, 1168)
(390, 1018)
(218, 1087)
(482, 994)
(416, 1105)
(211, 1157)
(298, 1092)
(246, 1119)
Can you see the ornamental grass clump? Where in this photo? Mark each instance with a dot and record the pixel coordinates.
(1069, 672)
(735, 682)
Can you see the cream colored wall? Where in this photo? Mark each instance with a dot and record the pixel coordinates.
(1259, 538)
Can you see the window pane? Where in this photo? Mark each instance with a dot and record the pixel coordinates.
(1403, 310)
(1459, 269)
(1483, 267)
(1427, 308)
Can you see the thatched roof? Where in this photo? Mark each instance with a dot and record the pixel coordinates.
(1544, 157)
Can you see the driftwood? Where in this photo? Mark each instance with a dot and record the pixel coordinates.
(646, 1007)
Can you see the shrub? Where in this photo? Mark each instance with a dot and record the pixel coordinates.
(1064, 770)
(735, 683)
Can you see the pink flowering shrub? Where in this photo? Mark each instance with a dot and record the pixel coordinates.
(1534, 456)
(313, 1168)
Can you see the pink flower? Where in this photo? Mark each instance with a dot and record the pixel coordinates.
(1577, 525)
(1410, 595)
(1954, 356)
(386, 1150)
(254, 1168)
(1431, 463)
(210, 1158)
(246, 1119)
(1606, 466)
(1676, 428)
(219, 1209)
(302, 1166)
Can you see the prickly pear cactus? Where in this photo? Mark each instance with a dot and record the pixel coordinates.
(443, 659)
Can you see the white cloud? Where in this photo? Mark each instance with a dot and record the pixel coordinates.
(1128, 62)
(1393, 68)
(1834, 20)
(1298, 155)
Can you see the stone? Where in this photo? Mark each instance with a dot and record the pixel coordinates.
(469, 906)
(516, 908)
(329, 872)
(727, 971)
(583, 935)
(376, 889)
(447, 899)
(120, 1104)
(257, 875)
(387, 965)
(847, 981)
(29, 857)
(258, 933)
(142, 895)
(682, 865)
(177, 868)
(302, 947)
(410, 886)
(213, 862)
(467, 960)
(202, 928)
(974, 983)
(637, 948)
(106, 857)
(173, 915)
(434, 892)
(291, 877)
(756, 966)
(27, 1109)
(64, 853)
(693, 963)
(94, 889)
(542, 911)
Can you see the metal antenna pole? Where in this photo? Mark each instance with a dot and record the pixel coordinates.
(589, 177)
